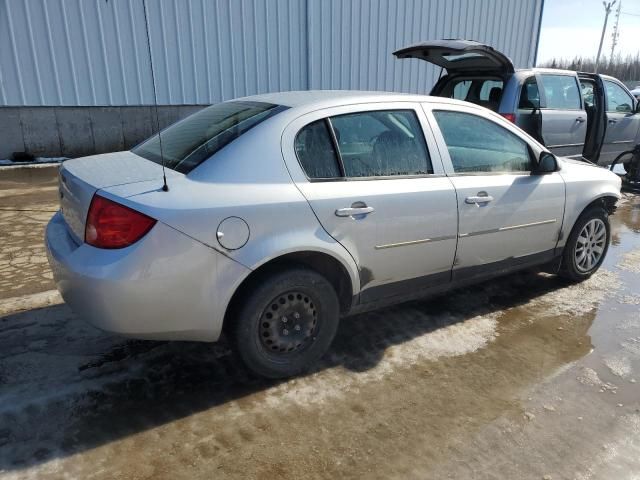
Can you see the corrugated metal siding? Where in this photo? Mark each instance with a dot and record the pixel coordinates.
(350, 42)
(95, 52)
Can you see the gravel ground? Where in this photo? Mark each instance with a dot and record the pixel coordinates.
(522, 377)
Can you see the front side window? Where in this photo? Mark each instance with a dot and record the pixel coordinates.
(477, 144)
(381, 143)
(186, 144)
(617, 99)
(529, 95)
(561, 92)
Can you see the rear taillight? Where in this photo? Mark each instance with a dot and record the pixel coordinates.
(111, 225)
(509, 116)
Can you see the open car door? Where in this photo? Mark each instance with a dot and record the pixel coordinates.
(592, 90)
(459, 57)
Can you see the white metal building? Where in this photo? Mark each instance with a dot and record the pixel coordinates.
(75, 75)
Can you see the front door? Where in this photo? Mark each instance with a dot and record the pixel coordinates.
(622, 122)
(564, 120)
(507, 217)
(383, 195)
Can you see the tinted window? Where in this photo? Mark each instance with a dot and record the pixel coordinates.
(191, 141)
(476, 144)
(617, 99)
(561, 92)
(315, 151)
(529, 95)
(381, 144)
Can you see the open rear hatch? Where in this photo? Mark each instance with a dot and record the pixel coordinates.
(79, 179)
(459, 56)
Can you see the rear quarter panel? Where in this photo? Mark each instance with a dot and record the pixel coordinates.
(246, 179)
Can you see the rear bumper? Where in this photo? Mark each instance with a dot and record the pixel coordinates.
(167, 286)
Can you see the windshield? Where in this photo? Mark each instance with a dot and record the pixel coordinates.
(188, 143)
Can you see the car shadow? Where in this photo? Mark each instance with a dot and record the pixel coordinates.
(66, 388)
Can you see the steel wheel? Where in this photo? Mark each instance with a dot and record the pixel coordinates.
(289, 323)
(590, 245)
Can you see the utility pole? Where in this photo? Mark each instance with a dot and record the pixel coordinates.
(616, 33)
(607, 10)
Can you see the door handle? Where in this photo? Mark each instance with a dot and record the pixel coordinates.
(479, 199)
(351, 211)
(613, 121)
(579, 119)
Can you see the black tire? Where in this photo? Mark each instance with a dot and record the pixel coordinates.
(570, 268)
(295, 309)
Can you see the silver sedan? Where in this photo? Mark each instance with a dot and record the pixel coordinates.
(282, 213)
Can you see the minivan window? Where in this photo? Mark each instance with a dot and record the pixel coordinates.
(189, 142)
(617, 99)
(491, 91)
(529, 95)
(561, 92)
(315, 151)
(461, 90)
(481, 91)
(476, 144)
(381, 143)
(587, 89)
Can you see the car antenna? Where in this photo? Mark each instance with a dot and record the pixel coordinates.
(165, 187)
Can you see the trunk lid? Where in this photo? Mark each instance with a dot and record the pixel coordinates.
(81, 178)
(459, 56)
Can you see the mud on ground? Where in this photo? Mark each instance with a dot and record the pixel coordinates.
(522, 377)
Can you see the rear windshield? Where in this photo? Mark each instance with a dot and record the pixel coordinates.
(188, 143)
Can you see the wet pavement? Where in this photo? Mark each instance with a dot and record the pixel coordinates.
(522, 377)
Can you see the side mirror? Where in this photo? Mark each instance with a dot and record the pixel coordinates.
(624, 108)
(547, 163)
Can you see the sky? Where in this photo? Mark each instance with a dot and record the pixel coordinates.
(573, 27)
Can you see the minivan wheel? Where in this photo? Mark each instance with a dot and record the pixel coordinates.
(587, 245)
(286, 323)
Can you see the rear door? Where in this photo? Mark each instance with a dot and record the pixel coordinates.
(507, 216)
(377, 185)
(592, 90)
(564, 119)
(622, 122)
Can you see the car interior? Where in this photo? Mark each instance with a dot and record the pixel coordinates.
(485, 91)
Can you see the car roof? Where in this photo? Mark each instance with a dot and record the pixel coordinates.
(314, 99)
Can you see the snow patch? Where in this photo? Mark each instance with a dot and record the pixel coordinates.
(580, 298)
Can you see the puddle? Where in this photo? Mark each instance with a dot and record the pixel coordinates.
(437, 387)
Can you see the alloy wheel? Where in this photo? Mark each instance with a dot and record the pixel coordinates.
(590, 245)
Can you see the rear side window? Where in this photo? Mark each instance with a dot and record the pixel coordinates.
(529, 95)
(191, 141)
(561, 92)
(381, 144)
(315, 151)
(369, 144)
(477, 144)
